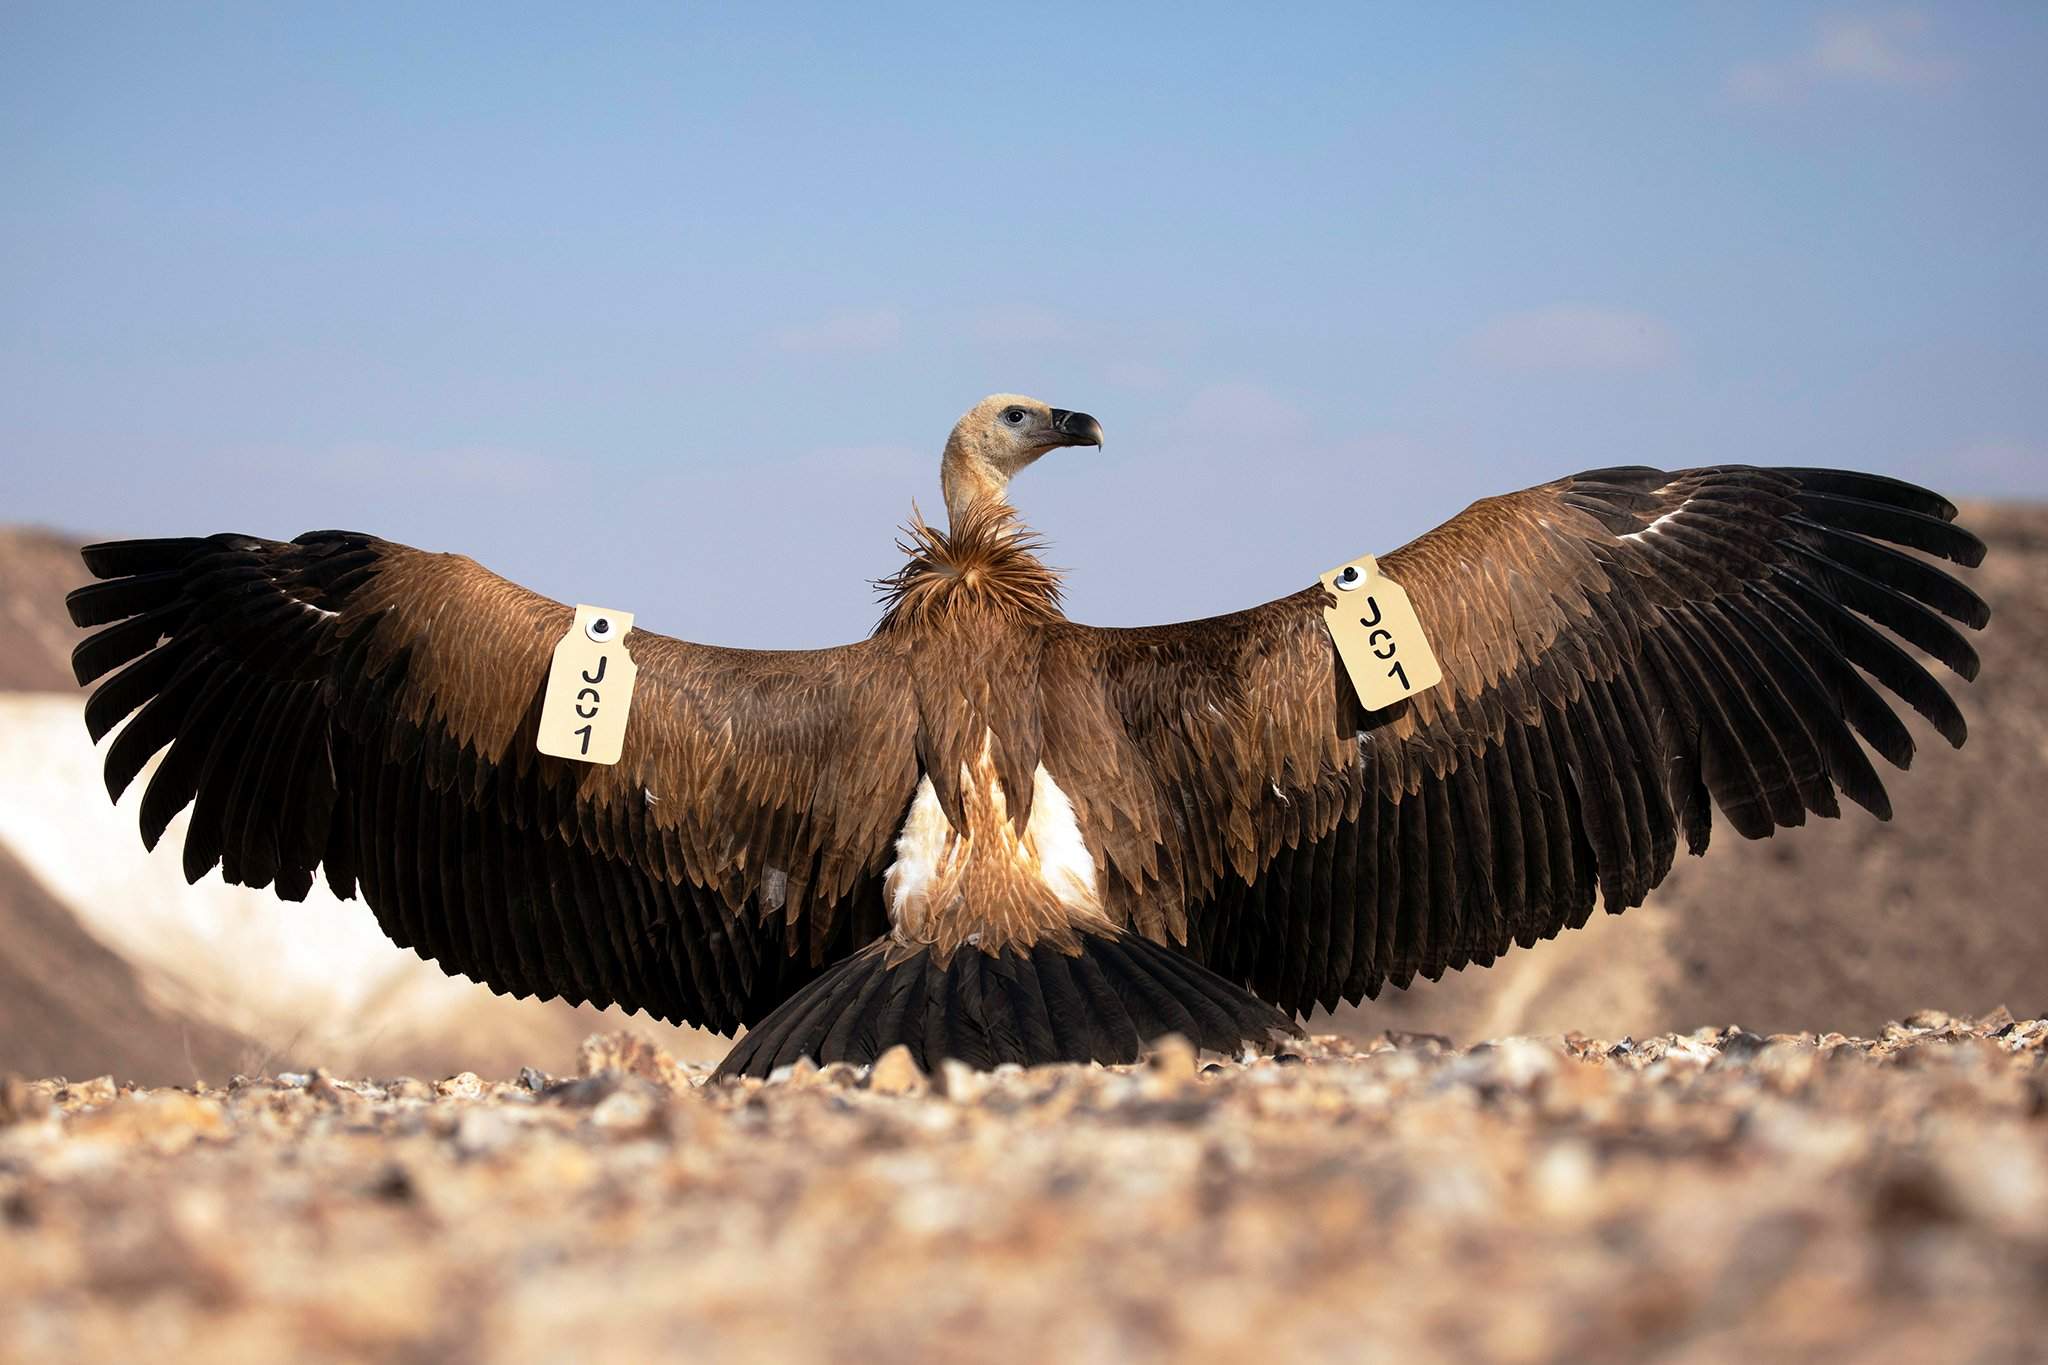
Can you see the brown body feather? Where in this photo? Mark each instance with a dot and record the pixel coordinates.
(1624, 652)
(986, 565)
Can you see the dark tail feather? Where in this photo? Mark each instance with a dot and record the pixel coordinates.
(1024, 1005)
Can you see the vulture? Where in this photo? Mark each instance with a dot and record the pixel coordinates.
(989, 833)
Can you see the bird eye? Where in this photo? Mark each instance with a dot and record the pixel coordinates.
(1015, 416)
(599, 629)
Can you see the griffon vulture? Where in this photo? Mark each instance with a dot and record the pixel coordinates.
(992, 833)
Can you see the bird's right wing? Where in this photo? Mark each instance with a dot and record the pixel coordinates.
(344, 701)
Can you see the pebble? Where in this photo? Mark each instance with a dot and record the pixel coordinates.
(483, 1132)
(98, 1090)
(464, 1086)
(896, 1072)
(1172, 1056)
(1706, 1195)
(624, 1111)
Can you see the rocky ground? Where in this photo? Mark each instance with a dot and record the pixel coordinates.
(1710, 1196)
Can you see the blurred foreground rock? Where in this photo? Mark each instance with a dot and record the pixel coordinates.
(1695, 1197)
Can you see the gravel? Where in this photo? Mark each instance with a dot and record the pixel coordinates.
(1689, 1197)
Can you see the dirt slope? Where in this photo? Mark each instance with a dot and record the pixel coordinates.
(50, 963)
(37, 567)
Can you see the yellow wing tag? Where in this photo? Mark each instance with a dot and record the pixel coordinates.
(1378, 635)
(590, 689)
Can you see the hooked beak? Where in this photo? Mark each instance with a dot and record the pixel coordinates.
(1076, 428)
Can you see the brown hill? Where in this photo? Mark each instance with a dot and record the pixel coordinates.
(69, 1006)
(37, 567)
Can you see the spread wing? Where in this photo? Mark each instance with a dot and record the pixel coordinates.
(347, 703)
(1624, 652)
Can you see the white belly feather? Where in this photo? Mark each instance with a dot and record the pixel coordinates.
(931, 856)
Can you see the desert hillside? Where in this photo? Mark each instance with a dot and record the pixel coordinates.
(49, 963)
(1843, 925)
(37, 567)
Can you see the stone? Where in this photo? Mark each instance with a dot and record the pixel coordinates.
(462, 1086)
(22, 1100)
(960, 1082)
(1739, 1045)
(896, 1072)
(483, 1132)
(98, 1090)
(632, 1055)
(162, 1121)
(1815, 1197)
(628, 1110)
(1171, 1055)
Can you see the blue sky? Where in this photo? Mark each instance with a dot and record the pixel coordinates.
(671, 310)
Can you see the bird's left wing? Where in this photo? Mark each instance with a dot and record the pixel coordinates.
(1622, 652)
(345, 701)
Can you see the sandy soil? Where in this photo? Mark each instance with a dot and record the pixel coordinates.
(1704, 1197)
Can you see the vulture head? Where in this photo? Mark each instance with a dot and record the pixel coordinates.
(999, 436)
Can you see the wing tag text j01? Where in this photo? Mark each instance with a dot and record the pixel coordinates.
(590, 689)
(1378, 635)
